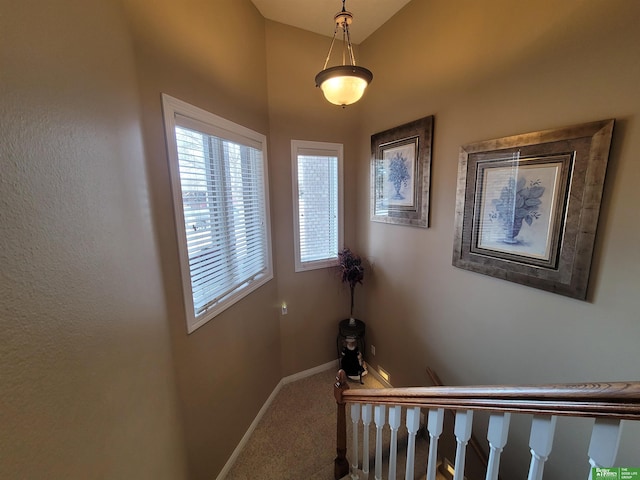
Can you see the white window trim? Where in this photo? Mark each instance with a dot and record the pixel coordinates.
(304, 147)
(221, 127)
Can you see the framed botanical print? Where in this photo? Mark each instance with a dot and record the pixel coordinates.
(527, 206)
(400, 173)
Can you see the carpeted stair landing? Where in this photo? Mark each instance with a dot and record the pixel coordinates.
(296, 437)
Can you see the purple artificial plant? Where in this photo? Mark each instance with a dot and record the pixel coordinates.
(351, 272)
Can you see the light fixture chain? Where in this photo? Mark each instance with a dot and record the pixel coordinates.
(333, 40)
(345, 45)
(350, 48)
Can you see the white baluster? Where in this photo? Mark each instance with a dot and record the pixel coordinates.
(497, 436)
(605, 439)
(462, 429)
(355, 418)
(434, 425)
(541, 440)
(413, 424)
(379, 418)
(366, 422)
(394, 423)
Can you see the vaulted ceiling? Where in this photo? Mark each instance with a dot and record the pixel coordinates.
(317, 15)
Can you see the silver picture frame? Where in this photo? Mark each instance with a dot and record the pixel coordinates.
(400, 173)
(527, 206)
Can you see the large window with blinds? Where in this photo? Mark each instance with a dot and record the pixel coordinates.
(220, 194)
(317, 203)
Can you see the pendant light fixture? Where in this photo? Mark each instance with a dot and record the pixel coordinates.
(343, 84)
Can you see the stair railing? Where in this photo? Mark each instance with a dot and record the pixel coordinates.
(473, 441)
(607, 403)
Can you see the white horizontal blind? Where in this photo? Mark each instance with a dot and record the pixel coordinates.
(225, 214)
(318, 213)
(318, 207)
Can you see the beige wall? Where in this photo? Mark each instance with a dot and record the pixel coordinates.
(86, 382)
(226, 369)
(94, 344)
(297, 110)
(488, 70)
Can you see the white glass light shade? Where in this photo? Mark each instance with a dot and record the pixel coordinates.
(344, 84)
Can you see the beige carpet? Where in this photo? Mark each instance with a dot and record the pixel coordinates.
(296, 438)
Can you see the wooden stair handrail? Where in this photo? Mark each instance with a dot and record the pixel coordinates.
(613, 400)
(596, 400)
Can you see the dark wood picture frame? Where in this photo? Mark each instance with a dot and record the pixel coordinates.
(527, 206)
(401, 173)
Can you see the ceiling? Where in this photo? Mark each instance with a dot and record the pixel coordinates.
(317, 15)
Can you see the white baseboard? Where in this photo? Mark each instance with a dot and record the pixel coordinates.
(291, 378)
(249, 432)
(312, 371)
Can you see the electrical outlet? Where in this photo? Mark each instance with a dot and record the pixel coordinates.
(284, 309)
(373, 350)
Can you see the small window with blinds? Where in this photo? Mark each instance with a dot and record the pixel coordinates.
(317, 201)
(220, 194)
